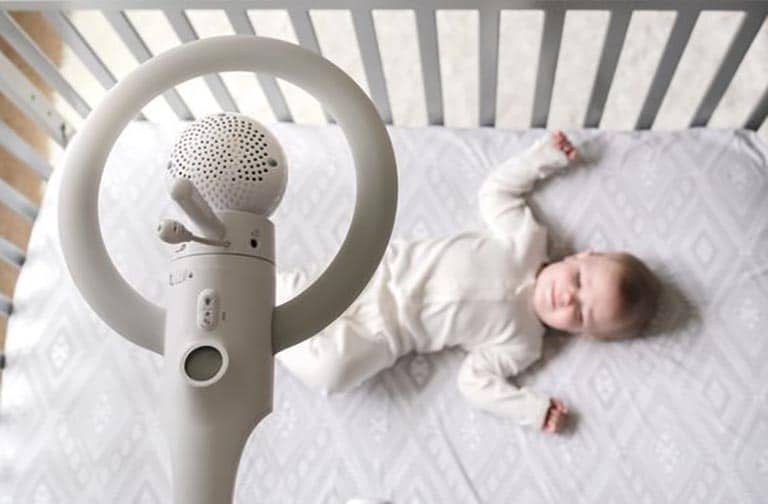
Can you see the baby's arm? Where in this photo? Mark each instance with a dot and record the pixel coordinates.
(483, 382)
(502, 194)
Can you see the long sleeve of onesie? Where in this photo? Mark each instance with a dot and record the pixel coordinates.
(502, 195)
(483, 375)
(483, 382)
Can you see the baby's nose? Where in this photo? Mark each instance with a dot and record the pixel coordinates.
(566, 297)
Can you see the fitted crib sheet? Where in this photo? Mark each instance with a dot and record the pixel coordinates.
(678, 416)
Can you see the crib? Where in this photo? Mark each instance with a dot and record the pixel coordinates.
(677, 174)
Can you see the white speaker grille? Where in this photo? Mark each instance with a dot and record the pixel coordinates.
(234, 161)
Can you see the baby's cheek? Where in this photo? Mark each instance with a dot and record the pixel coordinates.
(559, 320)
(566, 320)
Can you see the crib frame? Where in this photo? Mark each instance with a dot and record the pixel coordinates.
(33, 103)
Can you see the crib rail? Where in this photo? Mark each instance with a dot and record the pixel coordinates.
(620, 15)
(17, 88)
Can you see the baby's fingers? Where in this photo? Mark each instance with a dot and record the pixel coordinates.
(551, 423)
(559, 405)
(555, 421)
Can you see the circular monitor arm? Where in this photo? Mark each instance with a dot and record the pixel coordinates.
(140, 320)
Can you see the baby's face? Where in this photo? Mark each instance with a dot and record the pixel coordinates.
(580, 294)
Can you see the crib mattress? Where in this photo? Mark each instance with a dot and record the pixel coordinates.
(679, 416)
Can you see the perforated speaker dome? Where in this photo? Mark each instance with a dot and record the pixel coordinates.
(233, 161)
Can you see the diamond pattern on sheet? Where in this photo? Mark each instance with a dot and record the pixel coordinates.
(753, 456)
(679, 416)
(742, 309)
(740, 186)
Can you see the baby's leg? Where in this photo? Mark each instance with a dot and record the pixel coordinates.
(340, 357)
(350, 350)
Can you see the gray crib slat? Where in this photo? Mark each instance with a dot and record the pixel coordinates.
(186, 32)
(550, 51)
(17, 88)
(489, 64)
(746, 33)
(369, 49)
(11, 254)
(242, 25)
(430, 64)
(32, 54)
(17, 202)
(22, 151)
(678, 39)
(70, 35)
(614, 42)
(74, 39)
(305, 32)
(6, 308)
(758, 114)
(138, 48)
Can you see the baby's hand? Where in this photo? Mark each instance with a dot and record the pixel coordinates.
(555, 416)
(564, 144)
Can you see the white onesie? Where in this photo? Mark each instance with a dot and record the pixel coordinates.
(473, 290)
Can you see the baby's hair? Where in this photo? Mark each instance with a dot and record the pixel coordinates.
(640, 291)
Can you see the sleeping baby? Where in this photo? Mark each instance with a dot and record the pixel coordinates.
(491, 292)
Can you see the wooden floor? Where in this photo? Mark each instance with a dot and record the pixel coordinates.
(13, 227)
